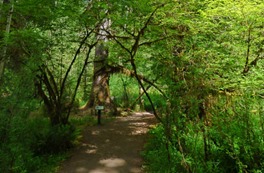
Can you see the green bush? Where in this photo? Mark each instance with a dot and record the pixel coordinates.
(232, 142)
(32, 145)
(59, 139)
(156, 154)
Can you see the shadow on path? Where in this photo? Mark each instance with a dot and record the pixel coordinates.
(113, 147)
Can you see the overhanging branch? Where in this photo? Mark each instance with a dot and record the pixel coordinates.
(130, 73)
(73, 60)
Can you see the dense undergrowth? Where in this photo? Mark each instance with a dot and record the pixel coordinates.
(31, 144)
(230, 139)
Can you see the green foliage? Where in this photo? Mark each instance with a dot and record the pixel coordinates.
(241, 139)
(43, 33)
(234, 141)
(204, 60)
(212, 121)
(28, 141)
(53, 139)
(32, 144)
(124, 90)
(157, 147)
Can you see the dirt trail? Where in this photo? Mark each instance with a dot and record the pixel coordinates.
(113, 147)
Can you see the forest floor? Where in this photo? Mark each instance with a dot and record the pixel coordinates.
(113, 147)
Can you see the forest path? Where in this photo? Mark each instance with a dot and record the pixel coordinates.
(113, 147)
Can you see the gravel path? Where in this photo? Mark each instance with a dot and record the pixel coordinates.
(113, 147)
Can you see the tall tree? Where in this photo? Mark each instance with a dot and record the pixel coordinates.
(55, 87)
(124, 45)
(100, 92)
(6, 16)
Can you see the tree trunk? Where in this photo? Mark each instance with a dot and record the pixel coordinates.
(7, 30)
(125, 98)
(100, 92)
(141, 99)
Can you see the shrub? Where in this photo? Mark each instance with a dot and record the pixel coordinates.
(32, 145)
(233, 141)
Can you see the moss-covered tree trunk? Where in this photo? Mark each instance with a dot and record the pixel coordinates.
(5, 18)
(100, 91)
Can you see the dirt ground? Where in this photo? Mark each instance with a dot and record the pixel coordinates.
(113, 147)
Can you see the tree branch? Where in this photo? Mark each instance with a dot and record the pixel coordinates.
(130, 73)
(73, 61)
(246, 67)
(145, 91)
(253, 62)
(142, 30)
(153, 41)
(137, 99)
(80, 77)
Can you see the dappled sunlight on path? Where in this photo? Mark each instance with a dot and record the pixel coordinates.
(113, 147)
